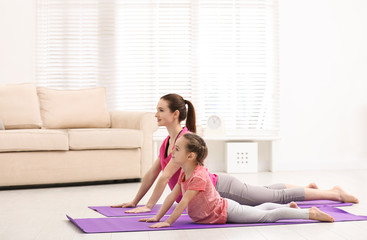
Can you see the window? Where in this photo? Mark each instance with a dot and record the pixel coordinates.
(221, 55)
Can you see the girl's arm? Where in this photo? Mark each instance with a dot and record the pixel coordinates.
(162, 182)
(167, 204)
(146, 184)
(187, 197)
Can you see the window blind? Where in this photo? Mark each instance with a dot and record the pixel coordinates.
(221, 55)
(68, 43)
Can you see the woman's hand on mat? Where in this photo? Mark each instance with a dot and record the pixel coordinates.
(152, 219)
(125, 205)
(139, 210)
(160, 225)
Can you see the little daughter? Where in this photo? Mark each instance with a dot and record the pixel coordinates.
(204, 204)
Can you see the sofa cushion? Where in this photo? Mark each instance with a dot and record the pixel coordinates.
(19, 106)
(104, 138)
(33, 140)
(85, 108)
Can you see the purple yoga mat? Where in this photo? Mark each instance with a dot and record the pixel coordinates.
(120, 212)
(322, 203)
(131, 224)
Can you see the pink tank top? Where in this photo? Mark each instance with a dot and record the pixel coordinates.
(165, 160)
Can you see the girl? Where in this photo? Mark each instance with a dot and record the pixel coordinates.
(204, 205)
(171, 111)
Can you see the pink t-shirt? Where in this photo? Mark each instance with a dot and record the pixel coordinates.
(165, 160)
(207, 206)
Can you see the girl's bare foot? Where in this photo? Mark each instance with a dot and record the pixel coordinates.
(293, 205)
(345, 197)
(317, 214)
(312, 185)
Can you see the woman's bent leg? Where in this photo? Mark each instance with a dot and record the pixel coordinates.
(278, 186)
(245, 194)
(336, 193)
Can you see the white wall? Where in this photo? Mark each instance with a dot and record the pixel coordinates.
(323, 72)
(17, 41)
(323, 66)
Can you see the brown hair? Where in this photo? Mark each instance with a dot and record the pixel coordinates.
(176, 102)
(197, 145)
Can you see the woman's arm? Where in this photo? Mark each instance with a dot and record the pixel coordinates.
(146, 184)
(187, 197)
(167, 204)
(162, 182)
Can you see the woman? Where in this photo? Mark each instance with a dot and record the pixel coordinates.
(171, 111)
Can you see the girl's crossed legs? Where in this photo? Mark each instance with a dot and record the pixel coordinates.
(271, 212)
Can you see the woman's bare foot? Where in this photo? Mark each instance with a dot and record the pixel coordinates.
(317, 214)
(293, 205)
(345, 197)
(312, 185)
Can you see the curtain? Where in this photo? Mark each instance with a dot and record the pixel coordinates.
(220, 54)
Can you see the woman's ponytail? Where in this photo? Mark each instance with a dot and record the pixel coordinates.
(176, 102)
(191, 117)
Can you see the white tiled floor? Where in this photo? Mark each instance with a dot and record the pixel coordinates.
(40, 213)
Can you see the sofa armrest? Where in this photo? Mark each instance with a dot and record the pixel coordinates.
(144, 121)
(134, 120)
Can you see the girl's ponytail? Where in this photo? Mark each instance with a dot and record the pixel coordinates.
(197, 145)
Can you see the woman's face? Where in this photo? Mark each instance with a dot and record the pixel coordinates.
(164, 115)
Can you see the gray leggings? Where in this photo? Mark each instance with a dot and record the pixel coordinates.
(230, 187)
(266, 212)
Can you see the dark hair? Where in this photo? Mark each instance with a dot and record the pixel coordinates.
(197, 145)
(176, 102)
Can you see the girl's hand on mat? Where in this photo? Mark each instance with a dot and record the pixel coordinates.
(152, 219)
(139, 210)
(125, 205)
(160, 225)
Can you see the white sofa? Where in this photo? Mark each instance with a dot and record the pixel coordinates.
(66, 136)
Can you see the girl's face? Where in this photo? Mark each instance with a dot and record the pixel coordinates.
(179, 153)
(164, 115)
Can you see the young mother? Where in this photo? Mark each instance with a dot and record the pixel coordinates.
(171, 111)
